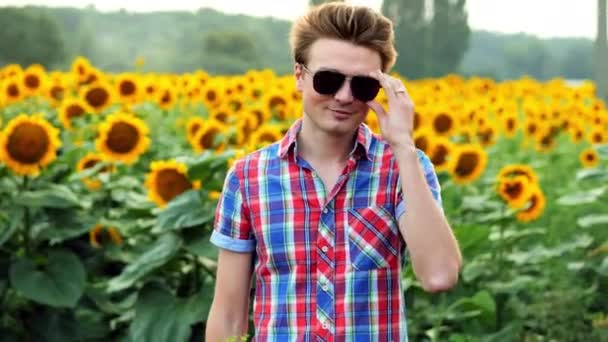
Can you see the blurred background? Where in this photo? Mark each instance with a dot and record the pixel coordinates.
(498, 39)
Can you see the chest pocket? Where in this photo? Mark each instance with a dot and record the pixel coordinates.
(373, 238)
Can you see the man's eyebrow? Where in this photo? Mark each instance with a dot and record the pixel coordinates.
(338, 71)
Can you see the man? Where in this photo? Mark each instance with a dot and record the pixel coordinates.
(325, 216)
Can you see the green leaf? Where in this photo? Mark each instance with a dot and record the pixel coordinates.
(157, 255)
(592, 220)
(207, 164)
(602, 150)
(591, 175)
(8, 227)
(603, 268)
(55, 196)
(472, 238)
(482, 301)
(160, 316)
(584, 197)
(186, 210)
(198, 243)
(62, 224)
(59, 283)
(480, 203)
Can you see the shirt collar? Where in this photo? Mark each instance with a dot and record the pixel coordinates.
(289, 140)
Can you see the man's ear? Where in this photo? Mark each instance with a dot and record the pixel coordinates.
(298, 72)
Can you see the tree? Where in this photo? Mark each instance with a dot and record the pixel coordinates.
(229, 52)
(29, 36)
(601, 52)
(430, 46)
(320, 2)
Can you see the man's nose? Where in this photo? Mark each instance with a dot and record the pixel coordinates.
(344, 94)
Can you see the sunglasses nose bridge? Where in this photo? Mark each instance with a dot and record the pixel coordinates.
(345, 92)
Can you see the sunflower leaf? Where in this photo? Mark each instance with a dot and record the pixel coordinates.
(55, 196)
(585, 197)
(154, 257)
(8, 226)
(60, 283)
(591, 174)
(186, 210)
(592, 220)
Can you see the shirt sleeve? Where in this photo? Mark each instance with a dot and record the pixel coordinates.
(431, 179)
(232, 228)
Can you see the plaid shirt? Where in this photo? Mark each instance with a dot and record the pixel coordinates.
(328, 262)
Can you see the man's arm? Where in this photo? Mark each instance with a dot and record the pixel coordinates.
(434, 251)
(229, 311)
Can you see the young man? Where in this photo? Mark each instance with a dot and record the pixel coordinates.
(325, 216)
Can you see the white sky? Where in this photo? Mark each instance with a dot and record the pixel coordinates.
(544, 18)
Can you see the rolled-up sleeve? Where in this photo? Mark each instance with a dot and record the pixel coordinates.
(232, 228)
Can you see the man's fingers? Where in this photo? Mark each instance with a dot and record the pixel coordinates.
(377, 108)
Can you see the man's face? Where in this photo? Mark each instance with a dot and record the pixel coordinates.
(338, 114)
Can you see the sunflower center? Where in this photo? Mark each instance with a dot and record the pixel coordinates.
(166, 98)
(127, 88)
(211, 95)
(597, 138)
(195, 128)
(443, 123)
(208, 137)
(13, 90)
(32, 81)
(416, 120)
(221, 116)
(422, 143)
(531, 129)
(266, 138)
(56, 92)
(97, 97)
(122, 138)
(150, 90)
(90, 163)
(171, 183)
(28, 143)
(590, 157)
(276, 101)
(74, 110)
(510, 124)
(439, 155)
(467, 162)
(514, 189)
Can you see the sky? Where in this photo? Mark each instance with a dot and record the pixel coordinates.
(543, 18)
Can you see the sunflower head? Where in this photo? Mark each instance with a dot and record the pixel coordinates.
(167, 180)
(208, 137)
(28, 144)
(514, 170)
(128, 88)
(122, 137)
(535, 206)
(589, 158)
(468, 163)
(89, 161)
(101, 235)
(71, 109)
(440, 153)
(98, 95)
(515, 191)
(265, 135)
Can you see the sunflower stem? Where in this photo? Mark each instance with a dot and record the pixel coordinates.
(196, 274)
(27, 223)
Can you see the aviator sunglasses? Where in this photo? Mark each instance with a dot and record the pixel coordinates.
(328, 82)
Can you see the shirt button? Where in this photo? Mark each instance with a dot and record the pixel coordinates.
(324, 249)
(325, 211)
(325, 325)
(324, 287)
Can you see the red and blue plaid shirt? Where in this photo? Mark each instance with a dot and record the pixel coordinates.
(328, 262)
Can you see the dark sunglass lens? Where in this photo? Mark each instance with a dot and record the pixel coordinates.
(365, 88)
(327, 82)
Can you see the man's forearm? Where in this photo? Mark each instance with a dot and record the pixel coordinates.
(221, 327)
(434, 251)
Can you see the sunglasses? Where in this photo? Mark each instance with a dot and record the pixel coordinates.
(328, 82)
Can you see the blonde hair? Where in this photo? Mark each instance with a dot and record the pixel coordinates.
(359, 25)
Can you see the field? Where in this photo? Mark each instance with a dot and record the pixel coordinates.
(109, 182)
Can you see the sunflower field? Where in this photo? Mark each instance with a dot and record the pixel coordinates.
(109, 183)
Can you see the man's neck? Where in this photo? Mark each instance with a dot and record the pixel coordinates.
(316, 145)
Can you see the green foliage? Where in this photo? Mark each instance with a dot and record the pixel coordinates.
(29, 36)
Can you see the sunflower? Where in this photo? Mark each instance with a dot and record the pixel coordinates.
(122, 137)
(422, 139)
(207, 137)
(443, 123)
(467, 163)
(515, 191)
(440, 153)
(597, 135)
(12, 91)
(98, 95)
(193, 125)
(72, 108)
(262, 115)
(273, 99)
(223, 114)
(166, 97)
(167, 180)
(545, 140)
(589, 158)
(89, 161)
(100, 235)
(535, 207)
(514, 170)
(245, 127)
(28, 144)
(128, 88)
(81, 67)
(34, 79)
(267, 134)
(213, 94)
(487, 134)
(509, 124)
